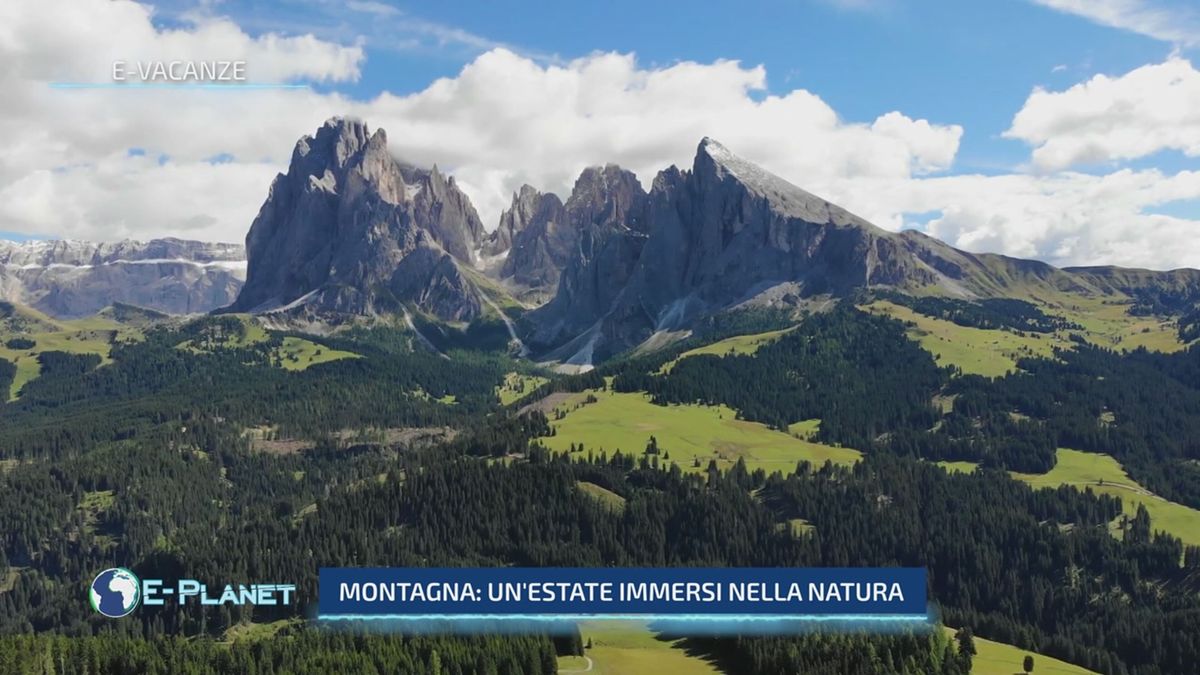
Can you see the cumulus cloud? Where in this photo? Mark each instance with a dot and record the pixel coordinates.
(504, 120)
(507, 119)
(78, 40)
(1067, 218)
(66, 169)
(1159, 19)
(1152, 108)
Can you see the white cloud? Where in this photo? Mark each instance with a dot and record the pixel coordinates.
(137, 198)
(380, 25)
(1152, 108)
(78, 40)
(65, 169)
(507, 119)
(1066, 219)
(1174, 23)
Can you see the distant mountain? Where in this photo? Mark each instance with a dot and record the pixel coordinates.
(532, 242)
(68, 279)
(549, 237)
(728, 233)
(350, 229)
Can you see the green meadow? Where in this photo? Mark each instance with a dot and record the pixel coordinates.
(517, 385)
(293, 353)
(995, 658)
(1104, 475)
(1107, 322)
(687, 435)
(298, 354)
(603, 495)
(978, 351)
(628, 647)
(93, 335)
(992, 353)
(251, 333)
(252, 631)
(738, 344)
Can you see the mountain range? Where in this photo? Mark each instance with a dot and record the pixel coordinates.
(350, 231)
(70, 279)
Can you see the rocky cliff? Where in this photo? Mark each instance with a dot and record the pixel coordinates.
(536, 239)
(70, 279)
(351, 229)
(728, 233)
(551, 240)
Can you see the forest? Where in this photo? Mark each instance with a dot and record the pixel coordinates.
(145, 462)
(873, 389)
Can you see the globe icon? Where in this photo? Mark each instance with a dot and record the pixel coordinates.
(115, 592)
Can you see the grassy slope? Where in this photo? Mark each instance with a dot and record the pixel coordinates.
(298, 354)
(249, 632)
(252, 334)
(605, 496)
(630, 648)
(1106, 322)
(517, 385)
(92, 335)
(738, 344)
(995, 658)
(975, 350)
(626, 422)
(1087, 469)
(294, 354)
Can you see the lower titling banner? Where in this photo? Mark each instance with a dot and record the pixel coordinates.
(677, 593)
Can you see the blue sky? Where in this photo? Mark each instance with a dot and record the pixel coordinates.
(1064, 130)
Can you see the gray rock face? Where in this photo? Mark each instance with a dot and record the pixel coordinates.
(71, 279)
(537, 238)
(707, 239)
(549, 238)
(350, 229)
(607, 212)
(729, 227)
(541, 249)
(513, 221)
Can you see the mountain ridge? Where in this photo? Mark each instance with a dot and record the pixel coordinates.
(350, 230)
(73, 278)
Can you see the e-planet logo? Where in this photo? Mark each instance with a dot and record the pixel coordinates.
(117, 591)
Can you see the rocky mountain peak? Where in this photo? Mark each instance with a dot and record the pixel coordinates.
(725, 233)
(338, 140)
(605, 195)
(715, 163)
(340, 229)
(515, 219)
